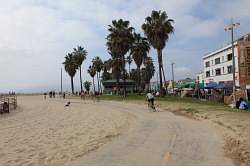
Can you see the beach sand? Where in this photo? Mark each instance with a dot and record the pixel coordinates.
(44, 132)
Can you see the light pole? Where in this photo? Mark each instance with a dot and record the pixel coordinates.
(173, 75)
(227, 28)
(61, 82)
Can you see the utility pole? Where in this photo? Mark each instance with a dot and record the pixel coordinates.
(173, 75)
(231, 27)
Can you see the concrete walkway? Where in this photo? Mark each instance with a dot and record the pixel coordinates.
(159, 139)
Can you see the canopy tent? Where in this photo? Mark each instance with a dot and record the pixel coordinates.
(225, 86)
(211, 85)
(201, 85)
(180, 86)
(191, 85)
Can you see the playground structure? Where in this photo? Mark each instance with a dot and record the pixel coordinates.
(7, 102)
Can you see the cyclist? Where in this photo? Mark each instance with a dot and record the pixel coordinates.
(150, 98)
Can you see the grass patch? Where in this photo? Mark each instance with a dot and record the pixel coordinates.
(187, 103)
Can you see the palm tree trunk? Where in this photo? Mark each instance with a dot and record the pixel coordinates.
(80, 68)
(165, 83)
(124, 76)
(72, 85)
(159, 52)
(100, 82)
(129, 70)
(97, 77)
(138, 79)
(93, 83)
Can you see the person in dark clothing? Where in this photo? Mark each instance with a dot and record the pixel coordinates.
(237, 105)
(54, 94)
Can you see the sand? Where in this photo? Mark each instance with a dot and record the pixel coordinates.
(44, 132)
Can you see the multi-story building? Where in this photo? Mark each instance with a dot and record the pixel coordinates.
(200, 77)
(218, 65)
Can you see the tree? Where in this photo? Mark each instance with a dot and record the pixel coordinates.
(107, 65)
(70, 67)
(92, 73)
(80, 55)
(87, 85)
(157, 28)
(119, 41)
(139, 51)
(148, 71)
(98, 65)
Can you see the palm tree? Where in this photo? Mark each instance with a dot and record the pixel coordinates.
(70, 67)
(157, 28)
(98, 65)
(119, 42)
(80, 55)
(87, 85)
(148, 71)
(107, 66)
(139, 51)
(92, 73)
(129, 61)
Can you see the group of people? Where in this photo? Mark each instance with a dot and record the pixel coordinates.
(241, 104)
(52, 94)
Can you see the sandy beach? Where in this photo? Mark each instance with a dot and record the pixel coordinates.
(44, 132)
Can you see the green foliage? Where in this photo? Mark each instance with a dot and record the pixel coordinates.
(80, 55)
(70, 65)
(97, 64)
(157, 28)
(119, 41)
(92, 71)
(87, 85)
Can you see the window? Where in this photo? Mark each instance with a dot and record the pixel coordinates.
(217, 72)
(207, 64)
(207, 73)
(222, 58)
(223, 70)
(229, 57)
(212, 72)
(229, 69)
(217, 61)
(212, 62)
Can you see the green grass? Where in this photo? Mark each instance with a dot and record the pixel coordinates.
(186, 102)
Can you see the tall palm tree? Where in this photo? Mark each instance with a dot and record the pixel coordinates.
(87, 85)
(70, 67)
(129, 61)
(119, 41)
(149, 70)
(80, 55)
(98, 65)
(157, 28)
(92, 73)
(139, 51)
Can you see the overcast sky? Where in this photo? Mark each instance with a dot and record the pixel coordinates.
(35, 35)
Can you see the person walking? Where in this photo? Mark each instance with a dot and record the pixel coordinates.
(150, 98)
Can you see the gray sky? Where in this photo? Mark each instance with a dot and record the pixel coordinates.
(35, 35)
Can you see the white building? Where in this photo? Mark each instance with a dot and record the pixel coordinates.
(200, 77)
(218, 64)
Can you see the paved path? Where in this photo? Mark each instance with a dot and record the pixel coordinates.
(159, 139)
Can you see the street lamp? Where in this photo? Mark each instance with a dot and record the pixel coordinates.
(173, 75)
(231, 28)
